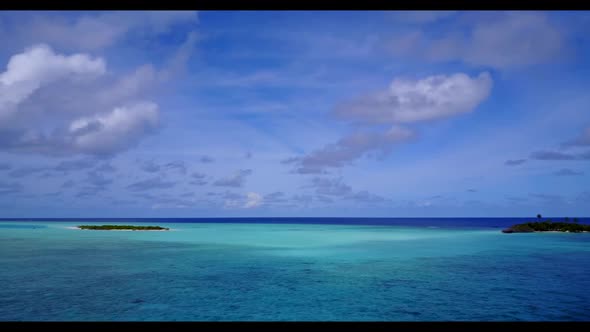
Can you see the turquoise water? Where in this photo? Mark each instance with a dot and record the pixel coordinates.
(287, 272)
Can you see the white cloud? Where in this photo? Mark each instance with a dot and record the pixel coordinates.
(38, 66)
(405, 101)
(47, 97)
(430, 98)
(65, 104)
(253, 200)
(116, 130)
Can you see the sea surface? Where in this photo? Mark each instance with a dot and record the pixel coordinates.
(292, 269)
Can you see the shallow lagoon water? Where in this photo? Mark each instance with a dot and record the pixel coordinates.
(288, 272)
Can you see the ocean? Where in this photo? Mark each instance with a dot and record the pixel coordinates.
(292, 269)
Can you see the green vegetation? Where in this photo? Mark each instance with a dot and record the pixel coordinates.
(123, 227)
(548, 226)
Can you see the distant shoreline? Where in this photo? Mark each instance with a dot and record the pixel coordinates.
(548, 227)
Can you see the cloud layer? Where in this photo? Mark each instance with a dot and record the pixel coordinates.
(500, 40)
(98, 30)
(349, 148)
(406, 101)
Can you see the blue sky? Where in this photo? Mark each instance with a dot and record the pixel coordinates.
(245, 113)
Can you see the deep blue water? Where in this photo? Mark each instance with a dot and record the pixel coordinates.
(296, 269)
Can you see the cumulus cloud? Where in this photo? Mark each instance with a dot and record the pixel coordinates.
(567, 172)
(236, 180)
(515, 162)
(253, 200)
(150, 184)
(97, 30)
(556, 155)
(37, 66)
(116, 130)
(500, 40)
(410, 100)
(348, 149)
(406, 101)
(36, 116)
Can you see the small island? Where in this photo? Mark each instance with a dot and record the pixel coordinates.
(548, 226)
(122, 228)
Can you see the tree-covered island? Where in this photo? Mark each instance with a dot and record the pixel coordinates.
(548, 226)
(122, 227)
